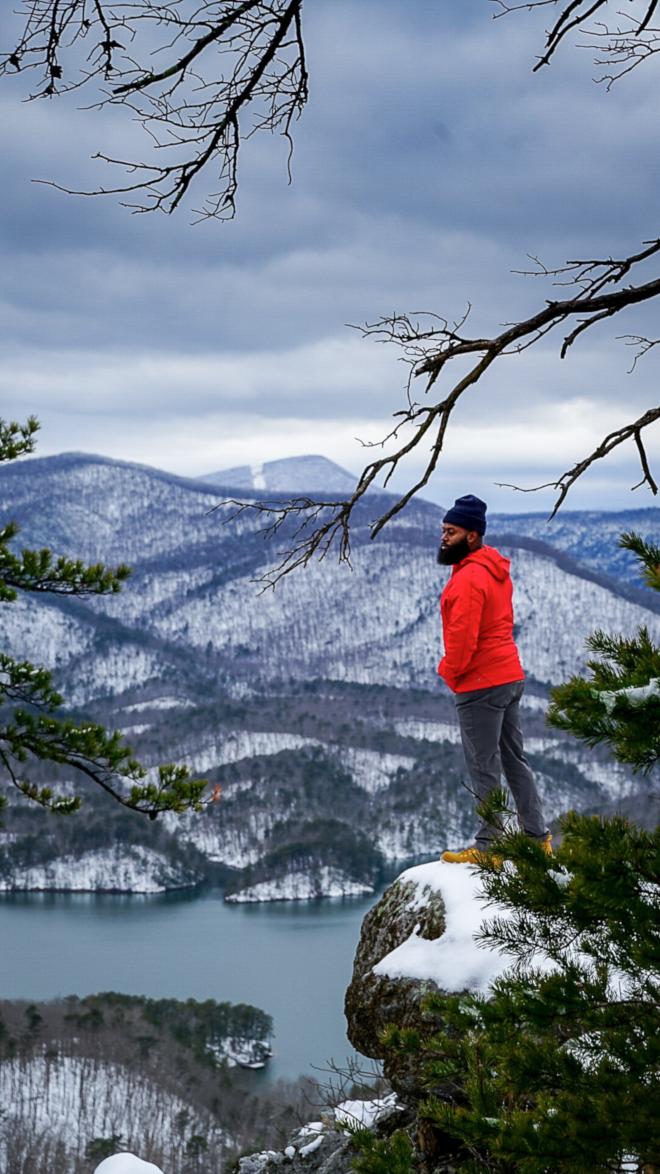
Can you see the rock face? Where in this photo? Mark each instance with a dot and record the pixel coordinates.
(327, 1151)
(324, 1146)
(373, 1002)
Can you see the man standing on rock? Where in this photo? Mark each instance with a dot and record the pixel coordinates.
(482, 668)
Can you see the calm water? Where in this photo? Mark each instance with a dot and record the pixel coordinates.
(292, 959)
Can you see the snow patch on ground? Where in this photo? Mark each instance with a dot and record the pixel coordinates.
(302, 886)
(428, 731)
(366, 1113)
(160, 703)
(258, 477)
(237, 744)
(370, 769)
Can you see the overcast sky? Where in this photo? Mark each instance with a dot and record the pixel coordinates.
(429, 162)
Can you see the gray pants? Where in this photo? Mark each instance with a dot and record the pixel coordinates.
(492, 744)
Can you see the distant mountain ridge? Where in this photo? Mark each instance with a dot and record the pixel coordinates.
(317, 706)
(588, 536)
(306, 474)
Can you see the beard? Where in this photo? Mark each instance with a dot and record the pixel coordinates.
(448, 556)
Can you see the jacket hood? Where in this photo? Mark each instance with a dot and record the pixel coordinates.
(490, 559)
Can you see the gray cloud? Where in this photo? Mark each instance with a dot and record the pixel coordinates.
(429, 162)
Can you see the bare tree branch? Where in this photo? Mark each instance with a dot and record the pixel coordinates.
(612, 440)
(429, 344)
(643, 345)
(231, 68)
(626, 43)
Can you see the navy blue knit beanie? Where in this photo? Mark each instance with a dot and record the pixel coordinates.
(468, 512)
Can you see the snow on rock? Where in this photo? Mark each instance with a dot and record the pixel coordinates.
(454, 961)
(302, 886)
(366, 1113)
(314, 1131)
(316, 1147)
(261, 1162)
(124, 868)
(126, 1164)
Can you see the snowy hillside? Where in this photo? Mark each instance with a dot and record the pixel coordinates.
(50, 1092)
(590, 536)
(124, 868)
(317, 707)
(83, 1077)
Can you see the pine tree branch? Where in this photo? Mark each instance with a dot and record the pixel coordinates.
(101, 757)
(40, 571)
(17, 440)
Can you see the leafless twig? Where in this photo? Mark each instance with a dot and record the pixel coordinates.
(643, 346)
(612, 440)
(629, 43)
(226, 69)
(430, 344)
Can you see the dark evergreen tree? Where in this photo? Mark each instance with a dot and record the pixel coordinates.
(30, 726)
(559, 1068)
(620, 703)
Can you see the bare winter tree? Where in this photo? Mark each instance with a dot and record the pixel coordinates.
(200, 76)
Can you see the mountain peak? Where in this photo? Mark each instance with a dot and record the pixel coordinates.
(306, 474)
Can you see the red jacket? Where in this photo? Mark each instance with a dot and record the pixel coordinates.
(477, 624)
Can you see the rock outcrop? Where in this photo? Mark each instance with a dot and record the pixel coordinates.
(375, 1001)
(321, 1151)
(325, 1146)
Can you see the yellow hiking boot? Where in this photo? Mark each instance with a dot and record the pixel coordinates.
(469, 856)
(478, 855)
(463, 856)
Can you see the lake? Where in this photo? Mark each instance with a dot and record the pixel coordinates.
(292, 959)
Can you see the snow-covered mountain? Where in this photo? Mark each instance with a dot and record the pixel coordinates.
(309, 474)
(589, 536)
(316, 706)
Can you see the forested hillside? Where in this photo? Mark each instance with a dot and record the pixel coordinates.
(315, 707)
